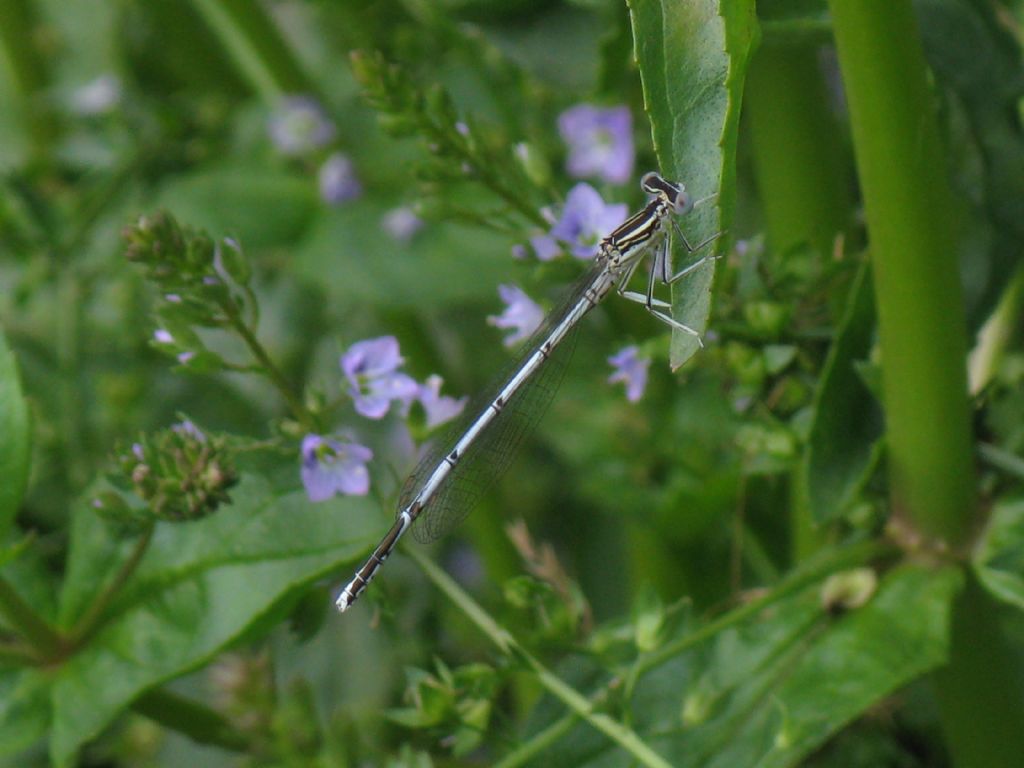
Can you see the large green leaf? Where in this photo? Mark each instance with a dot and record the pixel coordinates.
(350, 252)
(14, 438)
(24, 709)
(693, 59)
(200, 587)
(975, 59)
(772, 690)
(847, 426)
(269, 207)
(999, 556)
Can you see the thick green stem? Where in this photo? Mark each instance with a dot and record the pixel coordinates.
(255, 44)
(921, 326)
(980, 691)
(197, 721)
(29, 71)
(801, 173)
(909, 213)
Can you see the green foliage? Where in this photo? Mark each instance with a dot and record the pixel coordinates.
(14, 450)
(779, 556)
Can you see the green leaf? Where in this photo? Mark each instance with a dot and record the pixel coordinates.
(268, 207)
(14, 438)
(836, 672)
(200, 587)
(693, 58)
(771, 690)
(350, 252)
(999, 556)
(975, 59)
(24, 709)
(842, 446)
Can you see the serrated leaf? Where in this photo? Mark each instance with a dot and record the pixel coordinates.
(771, 690)
(200, 587)
(999, 556)
(14, 438)
(847, 423)
(693, 58)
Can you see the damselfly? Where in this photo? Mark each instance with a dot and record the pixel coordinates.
(450, 479)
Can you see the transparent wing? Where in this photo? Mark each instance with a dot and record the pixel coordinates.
(487, 458)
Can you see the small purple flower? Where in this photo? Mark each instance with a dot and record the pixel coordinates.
(338, 180)
(545, 247)
(330, 467)
(189, 428)
(300, 126)
(163, 336)
(521, 313)
(631, 370)
(439, 408)
(402, 223)
(371, 368)
(586, 218)
(97, 97)
(600, 142)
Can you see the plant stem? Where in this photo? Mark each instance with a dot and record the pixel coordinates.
(909, 213)
(980, 691)
(45, 641)
(30, 73)
(997, 335)
(1001, 459)
(799, 164)
(254, 42)
(921, 328)
(801, 175)
(91, 619)
(299, 411)
(815, 570)
(507, 644)
(537, 743)
(200, 723)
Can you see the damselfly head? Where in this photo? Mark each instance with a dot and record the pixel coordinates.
(672, 193)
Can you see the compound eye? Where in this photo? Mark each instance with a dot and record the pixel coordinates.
(649, 183)
(683, 203)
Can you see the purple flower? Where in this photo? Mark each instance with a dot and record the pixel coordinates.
(402, 223)
(338, 180)
(330, 467)
(600, 142)
(521, 313)
(545, 246)
(163, 336)
(300, 126)
(630, 369)
(586, 218)
(439, 408)
(188, 428)
(374, 381)
(97, 97)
